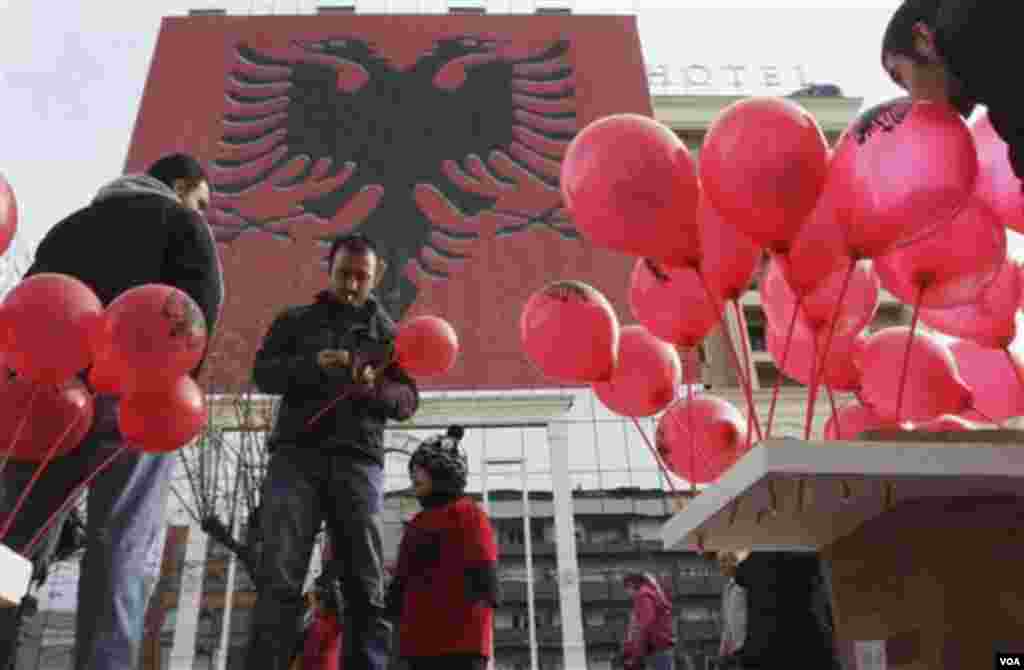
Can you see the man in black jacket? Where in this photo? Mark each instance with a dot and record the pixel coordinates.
(954, 51)
(140, 229)
(331, 363)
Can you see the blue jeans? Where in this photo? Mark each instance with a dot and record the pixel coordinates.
(665, 659)
(306, 486)
(125, 516)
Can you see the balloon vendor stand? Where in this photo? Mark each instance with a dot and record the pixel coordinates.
(922, 535)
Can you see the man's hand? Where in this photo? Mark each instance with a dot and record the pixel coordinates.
(367, 377)
(333, 359)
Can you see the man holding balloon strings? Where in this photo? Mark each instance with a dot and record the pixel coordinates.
(138, 230)
(933, 50)
(333, 362)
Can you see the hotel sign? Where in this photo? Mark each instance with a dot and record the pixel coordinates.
(698, 78)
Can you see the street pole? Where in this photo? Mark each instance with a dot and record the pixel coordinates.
(528, 547)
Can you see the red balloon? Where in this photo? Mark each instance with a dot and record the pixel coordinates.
(991, 319)
(950, 267)
(933, 383)
(51, 318)
(763, 166)
(672, 303)
(426, 346)
(854, 420)
(817, 251)
(996, 378)
(153, 334)
(729, 258)
(57, 417)
(104, 375)
(840, 372)
(8, 214)
(569, 330)
(630, 184)
(699, 438)
(997, 185)
(947, 423)
(900, 170)
(646, 377)
(818, 308)
(160, 420)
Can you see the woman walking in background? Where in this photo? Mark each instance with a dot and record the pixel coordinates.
(649, 638)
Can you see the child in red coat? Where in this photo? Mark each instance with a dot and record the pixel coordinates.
(445, 586)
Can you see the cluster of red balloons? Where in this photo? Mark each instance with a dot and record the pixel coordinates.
(911, 200)
(142, 347)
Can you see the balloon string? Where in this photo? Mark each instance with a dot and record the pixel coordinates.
(745, 339)
(812, 400)
(782, 365)
(835, 413)
(741, 373)
(21, 427)
(50, 454)
(657, 456)
(72, 499)
(906, 356)
(693, 439)
(809, 419)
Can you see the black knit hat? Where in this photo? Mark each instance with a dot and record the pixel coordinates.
(441, 457)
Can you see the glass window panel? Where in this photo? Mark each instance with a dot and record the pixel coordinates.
(613, 479)
(538, 455)
(581, 446)
(640, 456)
(540, 483)
(648, 479)
(503, 443)
(611, 446)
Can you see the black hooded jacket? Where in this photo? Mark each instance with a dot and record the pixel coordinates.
(974, 38)
(286, 365)
(136, 232)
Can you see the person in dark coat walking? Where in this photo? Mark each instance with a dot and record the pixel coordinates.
(140, 229)
(332, 363)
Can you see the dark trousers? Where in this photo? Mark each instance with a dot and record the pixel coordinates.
(454, 662)
(125, 521)
(305, 487)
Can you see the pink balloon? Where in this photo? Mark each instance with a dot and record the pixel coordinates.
(818, 250)
(996, 378)
(933, 384)
(900, 170)
(569, 330)
(997, 185)
(671, 303)
(631, 185)
(8, 214)
(729, 258)
(701, 437)
(763, 166)
(991, 319)
(646, 377)
(840, 372)
(819, 307)
(951, 266)
(854, 420)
